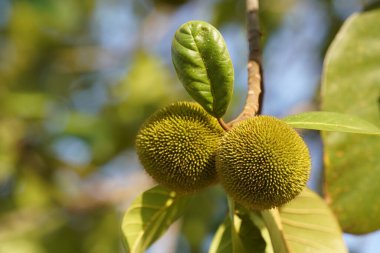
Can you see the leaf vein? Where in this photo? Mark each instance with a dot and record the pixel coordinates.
(306, 211)
(309, 243)
(159, 212)
(307, 226)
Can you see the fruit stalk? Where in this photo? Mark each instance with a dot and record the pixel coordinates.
(223, 124)
(255, 83)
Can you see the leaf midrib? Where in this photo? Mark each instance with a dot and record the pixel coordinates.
(206, 70)
(342, 128)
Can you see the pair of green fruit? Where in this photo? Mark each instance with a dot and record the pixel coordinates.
(261, 163)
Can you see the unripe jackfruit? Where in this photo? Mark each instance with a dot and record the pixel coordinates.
(263, 163)
(177, 147)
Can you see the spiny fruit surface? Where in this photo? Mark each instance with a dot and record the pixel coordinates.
(177, 147)
(263, 163)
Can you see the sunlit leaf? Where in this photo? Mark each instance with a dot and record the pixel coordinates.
(305, 224)
(149, 216)
(351, 85)
(310, 226)
(332, 121)
(203, 65)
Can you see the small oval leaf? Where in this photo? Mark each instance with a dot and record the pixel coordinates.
(203, 65)
(332, 121)
(149, 216)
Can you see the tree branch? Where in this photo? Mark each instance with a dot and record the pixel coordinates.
(255, 83)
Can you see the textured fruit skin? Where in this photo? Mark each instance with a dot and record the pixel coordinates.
(263, 163)
(177, 147)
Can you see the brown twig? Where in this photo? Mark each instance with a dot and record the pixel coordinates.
(255, 83)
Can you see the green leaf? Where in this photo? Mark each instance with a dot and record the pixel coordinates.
(310, 226)
(258, 221)
(149, 216)
(245, 233)
(237, 244)
(351, 85)
(203, 65)
(305, 224)
(332, 121)
(223, 239)
(273, 222)
(197, 222)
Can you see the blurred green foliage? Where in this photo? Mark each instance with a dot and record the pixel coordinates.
(70, 106)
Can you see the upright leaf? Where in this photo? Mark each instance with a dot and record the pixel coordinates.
(351, 85)
(305, 224)
(223, 238)
(332, 121)
(203, 65)
(149, 216)
(273, 222)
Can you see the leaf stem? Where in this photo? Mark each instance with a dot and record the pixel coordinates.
(237, 245)
(273, 222)
(231, 208)
(255, 83)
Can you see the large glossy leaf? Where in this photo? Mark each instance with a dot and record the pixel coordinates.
(351, 85)
(245, 234)
(310, 226)
(203, 65)
(305, 224)
(149, 216)
(332, 121)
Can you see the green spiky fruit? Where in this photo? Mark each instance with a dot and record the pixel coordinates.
(177, 147)
(263, 163)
